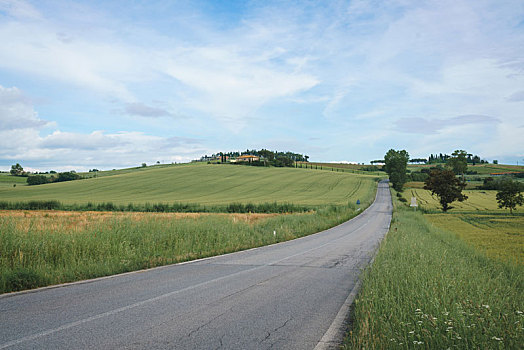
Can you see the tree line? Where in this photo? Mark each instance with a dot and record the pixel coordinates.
(39, 179)
(267, 157)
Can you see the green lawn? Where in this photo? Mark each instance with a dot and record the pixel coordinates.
(204, 184)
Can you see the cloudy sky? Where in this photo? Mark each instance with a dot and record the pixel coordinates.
(111, 84)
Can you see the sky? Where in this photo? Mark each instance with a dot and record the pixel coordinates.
(113, 84)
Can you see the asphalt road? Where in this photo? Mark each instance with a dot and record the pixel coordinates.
(283, 296)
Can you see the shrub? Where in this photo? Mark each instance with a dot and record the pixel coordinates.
(36, 180)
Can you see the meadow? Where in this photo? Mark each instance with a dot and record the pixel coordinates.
(478, 201)
(430, 286)
(39, 248)
(205, 185)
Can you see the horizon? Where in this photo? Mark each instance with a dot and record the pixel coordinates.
(111, 85)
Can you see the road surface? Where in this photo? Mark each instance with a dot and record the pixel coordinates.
(284, 296)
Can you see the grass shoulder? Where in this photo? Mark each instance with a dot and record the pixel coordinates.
(429, 288)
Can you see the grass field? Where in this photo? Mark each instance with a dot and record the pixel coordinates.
(7, 181)
(430, 288)
(478, 200)
(38, 248)
(498, 236)
(204, 184)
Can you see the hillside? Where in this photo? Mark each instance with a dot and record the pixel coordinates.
(204, 184)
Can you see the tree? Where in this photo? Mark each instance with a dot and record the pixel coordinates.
(447, 187)
(67, 176)
(36, 180)
(395, 166)
(16, 170)
(458, 162)
(509, 195)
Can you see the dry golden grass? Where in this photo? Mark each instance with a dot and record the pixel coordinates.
(76, 221)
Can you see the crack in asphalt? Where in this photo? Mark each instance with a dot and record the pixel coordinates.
(269, 333)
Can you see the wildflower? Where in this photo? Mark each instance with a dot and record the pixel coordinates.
(486, 306)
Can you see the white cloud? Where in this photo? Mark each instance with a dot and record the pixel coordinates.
(232, 84)
(16, 111)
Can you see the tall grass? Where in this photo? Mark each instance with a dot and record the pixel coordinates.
(429, 289)
(161, 207)
(39, 255)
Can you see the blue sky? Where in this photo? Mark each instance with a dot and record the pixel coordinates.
(110, 84)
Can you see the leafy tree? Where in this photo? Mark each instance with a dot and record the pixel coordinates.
(447, 187)
(67, 176)
(509, 195)
(36, 180)
(458, 162)
(395, 166)
(16, 170)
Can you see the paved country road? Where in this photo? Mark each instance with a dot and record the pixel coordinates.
(284, 296)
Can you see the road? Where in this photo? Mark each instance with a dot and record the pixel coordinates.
(283, 296)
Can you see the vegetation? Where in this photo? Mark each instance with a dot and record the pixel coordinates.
(46, 247)
(202, 184)
(446, 186)
(478, 201)
(41, 248)
(458, 162)
(268, 158)
(17, 170)
(498, 236)
(395, 166)
(273, 207)
(509, 195)
(42, 179)
(428, 288)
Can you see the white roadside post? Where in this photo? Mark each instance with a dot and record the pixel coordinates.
(414, 203)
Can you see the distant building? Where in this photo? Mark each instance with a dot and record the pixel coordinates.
(248, 158)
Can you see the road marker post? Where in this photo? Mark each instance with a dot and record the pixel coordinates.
(414, 203)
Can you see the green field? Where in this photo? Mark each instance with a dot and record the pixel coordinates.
(498, 236)
(7, 181)
(38, 248)
(478, 200)
(204, 184)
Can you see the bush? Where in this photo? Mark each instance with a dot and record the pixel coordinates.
(22, 278)
(36, 180)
